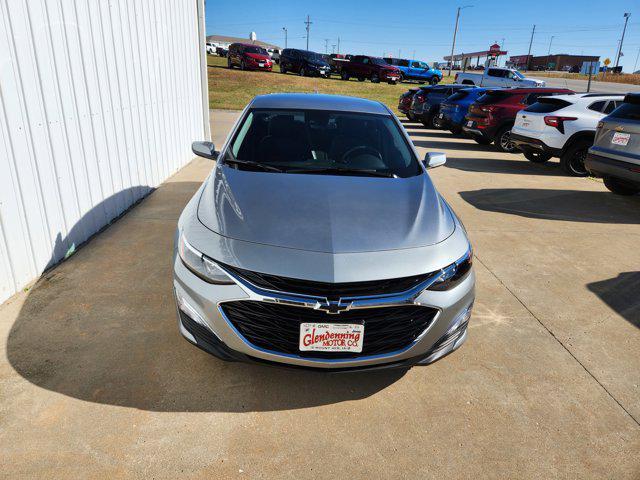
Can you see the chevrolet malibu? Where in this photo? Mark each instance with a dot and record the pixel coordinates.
(319, 241)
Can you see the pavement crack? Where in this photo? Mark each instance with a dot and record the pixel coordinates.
(557, 340)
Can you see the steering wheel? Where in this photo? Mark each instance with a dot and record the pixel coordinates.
(360, 150)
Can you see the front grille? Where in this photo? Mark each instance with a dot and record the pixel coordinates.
(277, 327)
(331, 291)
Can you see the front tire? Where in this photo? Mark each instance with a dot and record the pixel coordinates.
(615, 186)
(283, 69)
(436, 123)
(537, 157)
(375, 78)
(572, 160)
(344, 75)
(503, 141)
(434, 80)
(303, 72)
(242, 65)
(229, 64)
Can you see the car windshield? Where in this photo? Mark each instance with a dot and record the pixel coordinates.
(312, 56)
(517, 74)
(378, 61)
(255, 49)
(316, 141)
(493, 96)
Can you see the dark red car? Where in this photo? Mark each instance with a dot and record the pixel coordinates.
(404, 102)
(373, 68)
(491, 117)
(248, 57)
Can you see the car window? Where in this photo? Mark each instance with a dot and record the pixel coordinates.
(547, 105)
(403, 63)
(315, 139)
(611, 106)
(494, 72)
(459, 95)
(365, 60)
(597, 106)
(627, 111)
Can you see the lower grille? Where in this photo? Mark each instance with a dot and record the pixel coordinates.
(277, 327)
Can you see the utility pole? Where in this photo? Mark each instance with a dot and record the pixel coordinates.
(338, 45)
(285, 36)
(399, 53)
(549, 51)
(308, 23)
(502, 49)
(626, 19)
(333, 48)
(455, 33)
(326, 45)
(530, 43)
(636, 63)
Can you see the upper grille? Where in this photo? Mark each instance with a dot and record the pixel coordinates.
(277, 327)
(331, 291)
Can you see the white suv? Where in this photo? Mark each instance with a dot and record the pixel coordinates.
(562, 126)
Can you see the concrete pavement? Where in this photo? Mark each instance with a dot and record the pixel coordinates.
(96, 382)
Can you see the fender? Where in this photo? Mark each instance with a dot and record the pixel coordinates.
(582, 135)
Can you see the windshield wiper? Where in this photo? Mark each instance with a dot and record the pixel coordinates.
(342, 171)
(251, 163)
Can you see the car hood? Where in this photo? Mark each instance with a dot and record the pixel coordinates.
(258, 56)
(324, 213)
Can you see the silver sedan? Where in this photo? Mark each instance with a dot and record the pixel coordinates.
(319, 241)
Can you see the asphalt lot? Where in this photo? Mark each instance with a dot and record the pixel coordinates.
(581, 85)
(96, 382)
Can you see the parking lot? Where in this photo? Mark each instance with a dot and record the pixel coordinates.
(97, 382)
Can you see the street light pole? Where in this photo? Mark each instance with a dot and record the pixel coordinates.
(285, 36)
(455, 33)
(530, 43)
(549, 51)
(624, 29)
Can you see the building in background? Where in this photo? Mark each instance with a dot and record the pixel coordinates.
(224, 41)
(466, 60)
(562, 62)
(100, 103)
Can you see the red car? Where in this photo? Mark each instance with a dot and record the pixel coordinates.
(404, 102)
(373, 68)
(248, 57)
(491, 117)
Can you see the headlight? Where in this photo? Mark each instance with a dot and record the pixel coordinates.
(200, 265)
(453, 274)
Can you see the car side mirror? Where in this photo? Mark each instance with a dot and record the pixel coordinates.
(205, 150)
(435, 159)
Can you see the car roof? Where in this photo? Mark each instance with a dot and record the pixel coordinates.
(517, 90)
(588, 97)
(319, 101)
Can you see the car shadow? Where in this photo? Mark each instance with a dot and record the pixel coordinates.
(512, 166)
(564, 205)
(101, 327)
(621, 294)
(425, 132)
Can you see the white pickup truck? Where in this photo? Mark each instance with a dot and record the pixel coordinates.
(498, 77)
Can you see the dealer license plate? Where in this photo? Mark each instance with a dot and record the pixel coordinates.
(620, 138)
(470, 123)
(261, 64)
(331, 337)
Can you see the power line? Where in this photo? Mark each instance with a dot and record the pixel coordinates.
(308, 23)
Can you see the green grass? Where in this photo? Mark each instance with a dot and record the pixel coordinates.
(233, 89)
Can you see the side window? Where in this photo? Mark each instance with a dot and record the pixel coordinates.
(531, 98)
(403, 63)
(357, 59)
(597, 106)
(494, 72)
(611, 106)
(365, 60)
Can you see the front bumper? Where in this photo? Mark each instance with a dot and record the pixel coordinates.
(525, 144)
(600, 166)
(203, 323)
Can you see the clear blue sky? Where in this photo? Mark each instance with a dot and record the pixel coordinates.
(589, 27)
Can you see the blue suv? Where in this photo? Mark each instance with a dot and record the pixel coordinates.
(454, 108)
(416, 70)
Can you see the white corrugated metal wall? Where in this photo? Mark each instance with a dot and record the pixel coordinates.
(99, 103)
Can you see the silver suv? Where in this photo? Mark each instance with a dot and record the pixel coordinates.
(320, 241)
(615, 154)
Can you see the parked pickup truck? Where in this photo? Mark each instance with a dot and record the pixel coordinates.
(415, 70)
(373, 68)
(498, 77)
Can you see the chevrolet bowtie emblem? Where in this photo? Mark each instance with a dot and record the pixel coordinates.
(332, 307)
